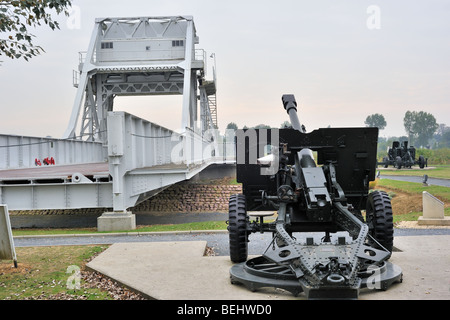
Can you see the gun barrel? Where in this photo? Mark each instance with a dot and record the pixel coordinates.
(290, 105)
(306, 158)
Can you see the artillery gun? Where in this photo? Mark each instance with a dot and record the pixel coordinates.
(311, 199)
(400, 155)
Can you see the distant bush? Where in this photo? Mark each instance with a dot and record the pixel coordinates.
(435, 156)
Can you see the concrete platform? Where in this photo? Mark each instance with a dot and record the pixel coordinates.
(444, 222)
(180, 271)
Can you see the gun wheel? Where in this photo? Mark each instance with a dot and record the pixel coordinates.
(386, 162)
(398, 162)
(237, 227)
(379, 218)
(421, 162)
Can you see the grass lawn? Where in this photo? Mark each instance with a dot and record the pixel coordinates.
(406, 198)
(415, 188)
(439, 171)
(206, 225)
(46, 273)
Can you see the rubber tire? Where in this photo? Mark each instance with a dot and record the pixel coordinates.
(379, 218)
(421, 162)
(237, 227)
(398, 163)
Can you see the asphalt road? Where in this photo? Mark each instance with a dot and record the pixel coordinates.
(216, 240)
(430, 181)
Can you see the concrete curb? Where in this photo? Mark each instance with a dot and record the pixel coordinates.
(116, 234)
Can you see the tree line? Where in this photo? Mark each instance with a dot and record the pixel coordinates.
(421, 128)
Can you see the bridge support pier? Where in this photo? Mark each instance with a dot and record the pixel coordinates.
(116, 221)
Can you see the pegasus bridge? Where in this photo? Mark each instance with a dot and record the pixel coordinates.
(109, 158)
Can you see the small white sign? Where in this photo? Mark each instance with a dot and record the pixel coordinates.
(7, 250)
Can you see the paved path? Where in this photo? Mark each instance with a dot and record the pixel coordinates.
(217, 240)
(180, 271)
(430, 181)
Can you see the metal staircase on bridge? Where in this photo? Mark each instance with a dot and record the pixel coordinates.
(208, 97)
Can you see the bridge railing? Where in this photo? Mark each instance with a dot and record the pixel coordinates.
(143, 144)
(144, 156)
(26, 152)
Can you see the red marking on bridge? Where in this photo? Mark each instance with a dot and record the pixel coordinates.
(56, 171)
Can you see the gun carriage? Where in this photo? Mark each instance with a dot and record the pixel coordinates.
(327, 198)
(400, 155)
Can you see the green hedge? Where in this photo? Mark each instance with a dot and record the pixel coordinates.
(435, 156)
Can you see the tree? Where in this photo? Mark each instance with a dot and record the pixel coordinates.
(286, 124)
(376, 120)
(262, 126)
(232, 126)
(445, 141)
(408, 122)
(420, 127)
(442, 136)
(16, 17)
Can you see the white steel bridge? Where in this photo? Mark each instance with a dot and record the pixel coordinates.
(109, 158)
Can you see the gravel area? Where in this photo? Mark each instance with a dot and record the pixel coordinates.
(415, 225)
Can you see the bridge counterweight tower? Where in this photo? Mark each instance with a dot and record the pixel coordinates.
(141, 56)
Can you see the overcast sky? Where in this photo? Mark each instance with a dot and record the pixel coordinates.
(343, 60)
